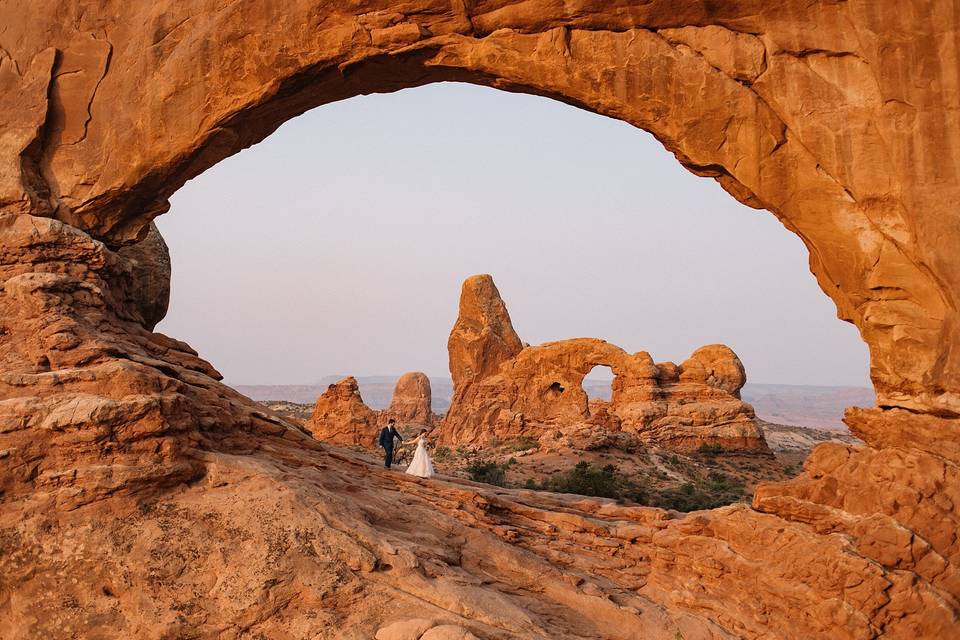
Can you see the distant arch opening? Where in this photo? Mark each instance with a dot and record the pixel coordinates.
(598, 383)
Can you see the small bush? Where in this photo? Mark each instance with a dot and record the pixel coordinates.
(523, 443)
(488, 472)
(587, 480)
(441, 454)
(709, 450)
(716, 490)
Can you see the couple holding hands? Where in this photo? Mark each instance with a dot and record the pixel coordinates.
(421, 465)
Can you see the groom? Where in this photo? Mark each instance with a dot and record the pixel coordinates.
(387, 434)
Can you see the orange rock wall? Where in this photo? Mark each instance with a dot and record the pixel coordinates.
(341, 416)
(178, 507)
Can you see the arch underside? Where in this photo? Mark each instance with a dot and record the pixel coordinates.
(822, 113)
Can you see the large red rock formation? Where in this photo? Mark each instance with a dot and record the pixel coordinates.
(483, 337)
(536, 389)
(176, 507)
(412, 401)
(341, 416)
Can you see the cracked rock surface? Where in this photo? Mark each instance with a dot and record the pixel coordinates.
(143, 498)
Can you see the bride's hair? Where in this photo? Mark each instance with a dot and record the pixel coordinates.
(422, 431)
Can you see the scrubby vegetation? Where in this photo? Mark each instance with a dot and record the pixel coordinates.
(522, 443)
(489, 472)
(715, 489)
(709, 451)
(588, 480)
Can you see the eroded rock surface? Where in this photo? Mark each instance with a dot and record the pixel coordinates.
(539, 389)
(150, 266)
(412, 401)
(341, 416)
(179, 508)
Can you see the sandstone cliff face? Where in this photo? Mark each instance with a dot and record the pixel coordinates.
(177, 507)
(539, 388)
(412, 401)
(340, 416)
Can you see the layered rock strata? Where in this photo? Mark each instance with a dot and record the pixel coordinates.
(341, 416)
(179, 508)
(505, 390)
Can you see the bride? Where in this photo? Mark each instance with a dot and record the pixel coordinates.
(422, 465)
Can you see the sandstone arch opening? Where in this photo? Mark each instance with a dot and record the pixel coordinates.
(418, 228)
(800, 107)
(598, 383)
(310, 246)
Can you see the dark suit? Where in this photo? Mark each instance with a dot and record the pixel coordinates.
(387, 434)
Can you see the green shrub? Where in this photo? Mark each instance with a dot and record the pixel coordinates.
(442, 453)
(523, 443)
(716, 490)
(588, 480)
(488, 472)
(709, 450)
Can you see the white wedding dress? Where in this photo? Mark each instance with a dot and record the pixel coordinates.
(421, 465)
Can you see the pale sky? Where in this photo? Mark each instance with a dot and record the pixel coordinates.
(338, 245)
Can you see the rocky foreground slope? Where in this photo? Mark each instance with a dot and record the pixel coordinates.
(142, 498)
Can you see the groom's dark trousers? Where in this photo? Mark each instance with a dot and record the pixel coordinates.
(388, 454)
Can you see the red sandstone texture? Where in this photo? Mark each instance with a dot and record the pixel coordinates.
(143, 498)
(340, 415)
(504, 390)
(411, 405)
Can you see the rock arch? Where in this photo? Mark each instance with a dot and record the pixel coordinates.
(783, 105)
(839, 118)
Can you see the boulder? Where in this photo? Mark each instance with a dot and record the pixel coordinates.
(411, 402)
(448, 632)
(150, 270)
